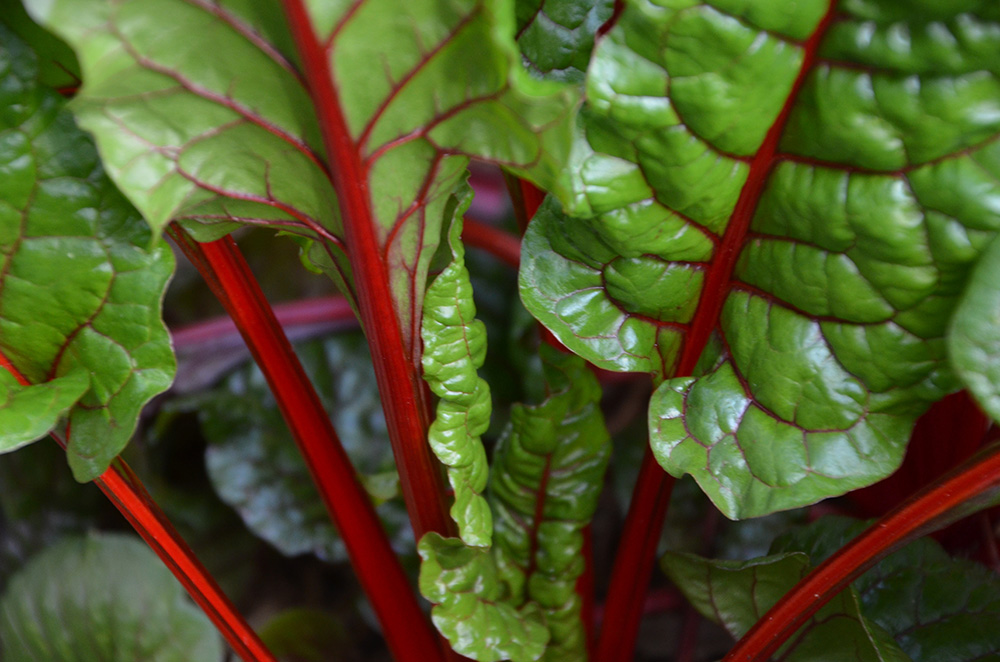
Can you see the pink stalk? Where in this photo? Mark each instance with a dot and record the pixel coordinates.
(406, 630)
(124, 489)
(929, 509)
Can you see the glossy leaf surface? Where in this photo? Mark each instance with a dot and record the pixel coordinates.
(777, 204)
(80, 281)
(556, 37)
(736, 594)
(256, 468)
(547, 473)
(937, 607)
(974, 335)
(103, 597)
(454, 349)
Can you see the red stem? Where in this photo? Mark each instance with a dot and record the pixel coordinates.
(124, 489)
(404, 394)
(495, 241)
(634, 562)
(929, 509)
(406, 629)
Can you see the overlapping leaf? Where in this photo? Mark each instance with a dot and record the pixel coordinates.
(202, 111)
(797, 189)
(557, 36)
(255, 467)
(454, 349)
(103, 597)
(546, 477)
(974, 335)
(736, 594)
(80, 286)
(939, 608)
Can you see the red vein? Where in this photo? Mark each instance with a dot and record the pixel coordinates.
(124, 489)
(227, 274)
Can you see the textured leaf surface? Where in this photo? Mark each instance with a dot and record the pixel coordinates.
(736, 594)
(974, 335)
(224, 128)
(454, 349)
(256, 468)
(105, 597)
(556, 37)
(547, 474)
(469, 606)
(939, 608)
(80, 286)
(789, 198)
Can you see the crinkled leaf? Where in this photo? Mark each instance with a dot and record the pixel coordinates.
(105, 597)
(796, 196)
(547, 475)
(80, 286)
(454, 349)
(974, 335)
(469, 606)
(736, 594)
(225, 130)
(256, 468)
(548, 471)
(556, 37)
(939, 608)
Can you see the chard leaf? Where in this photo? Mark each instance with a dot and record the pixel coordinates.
(105, 597)
(469, 609)
(974, 335)
(255, 467)
(80, 283)
(774, 208)
(454, 349)
(233, 128)
(736, 594)
(556, 37)
(938, 608)
(547, 474)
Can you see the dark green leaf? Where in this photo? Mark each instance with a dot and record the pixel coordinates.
(104, 597)
(80, 285)
(557, 36)
(256, 468)
(939, 608)
(736, 594)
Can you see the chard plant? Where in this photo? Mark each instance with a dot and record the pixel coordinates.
(779, 216)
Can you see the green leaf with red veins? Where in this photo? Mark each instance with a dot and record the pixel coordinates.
(974, 336)
(202, 111)
(736, 594)
(781, 202)
(80, 286)
(556, 37)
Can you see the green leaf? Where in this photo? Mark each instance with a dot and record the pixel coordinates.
(104, 597)
(548, 471)
(939, 608)
(469, 609)
(80, 285)
(225, 130)
(784, 203)
(255, 467)
(974, 334)
(454, 349)
(736, 594)
(556, 37)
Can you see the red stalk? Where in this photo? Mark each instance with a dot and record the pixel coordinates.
(406, 629)
(124, 489)
(929, 509)
(502, 245)
(404, 394)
